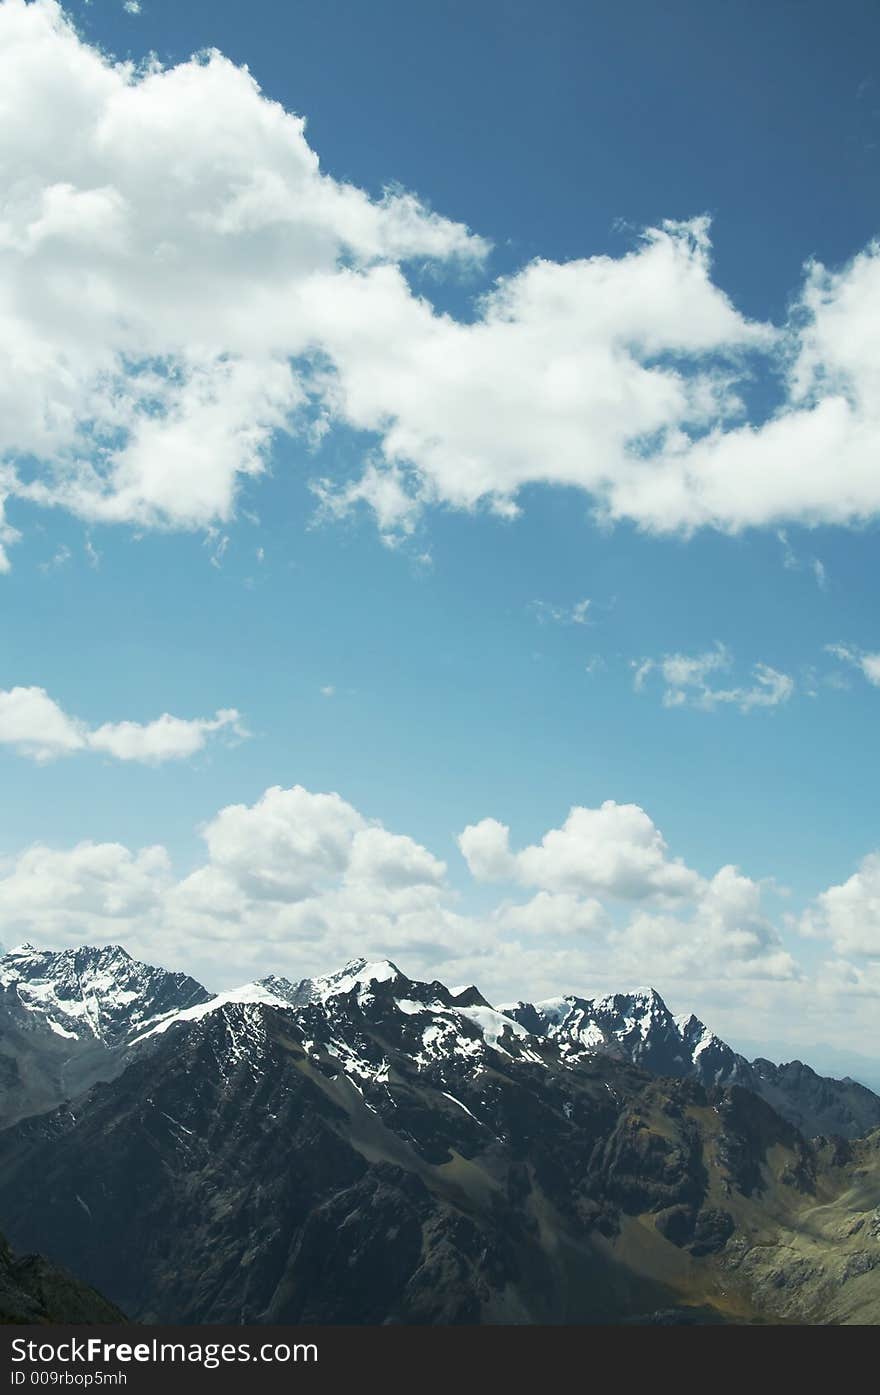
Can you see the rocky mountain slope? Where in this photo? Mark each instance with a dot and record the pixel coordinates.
(71, 1018)
(367, 1149)
(67, 1019)
(640, 1027)
(34, 1291)
(91, 994)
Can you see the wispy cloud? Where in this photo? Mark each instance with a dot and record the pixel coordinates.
(59, 559)
(868, 663)
(686, 681)
(793, 563)
(547, 613)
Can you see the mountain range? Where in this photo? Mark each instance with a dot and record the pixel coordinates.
(71, 1018)
(368, 1148)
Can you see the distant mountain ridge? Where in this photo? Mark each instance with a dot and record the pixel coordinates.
(640, 1027)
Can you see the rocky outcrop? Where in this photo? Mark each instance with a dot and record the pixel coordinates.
(34, 1291)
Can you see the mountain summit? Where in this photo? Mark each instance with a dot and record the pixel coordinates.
(68, 1017)
(72, 1017)
(100, 994)
(639, 1027)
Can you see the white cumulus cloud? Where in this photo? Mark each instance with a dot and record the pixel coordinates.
(299, 881)
(615, 850)
(34, 725)
(726, 928)
(94, 888)
(849, 914)
(151, 288)
(292, 882)
(168, 307)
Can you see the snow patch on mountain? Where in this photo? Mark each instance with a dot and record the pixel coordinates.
(248, 993)
(276, 991)
(92, 993)
(637, 1025)
(358, 974)
(72, 1017)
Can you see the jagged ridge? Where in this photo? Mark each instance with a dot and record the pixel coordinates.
(71, 1018)
(391, 1151)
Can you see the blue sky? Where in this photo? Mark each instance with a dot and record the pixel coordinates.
(436, 664)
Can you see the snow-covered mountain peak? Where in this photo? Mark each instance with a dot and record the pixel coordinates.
(635, 1002)
(357, 973)
(435, 1024)
(276, 991)
(92, 992)
(75, 1016)
(101, 993)
(638, 1025)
